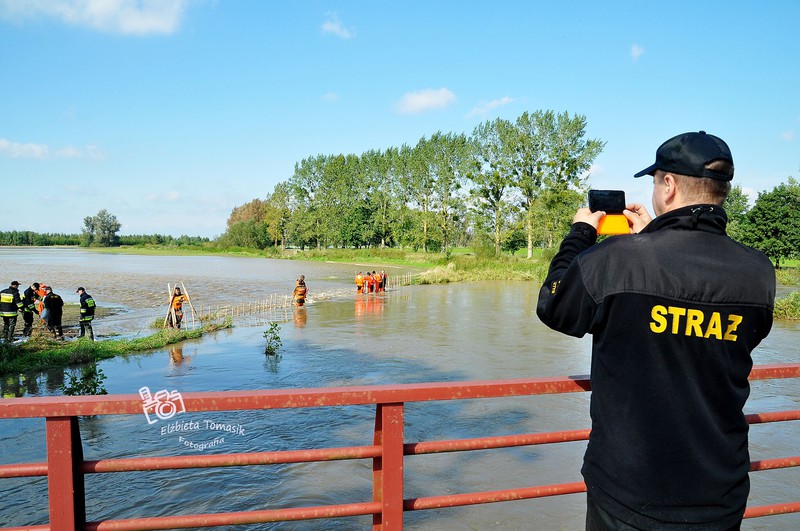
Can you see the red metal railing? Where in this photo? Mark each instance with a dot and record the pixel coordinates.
(65, 467)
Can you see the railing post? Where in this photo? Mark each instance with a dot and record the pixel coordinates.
(64, 475)
(387, 470)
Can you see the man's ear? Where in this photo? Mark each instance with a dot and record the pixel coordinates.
(670, 188)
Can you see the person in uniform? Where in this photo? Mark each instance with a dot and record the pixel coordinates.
(674, 309)
(87, 313)
(54, 305)
(300, 291)
(176, 308)
(10, 305)
(29, 299)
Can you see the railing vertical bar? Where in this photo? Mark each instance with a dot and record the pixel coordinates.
(65, 485)
(387, 471)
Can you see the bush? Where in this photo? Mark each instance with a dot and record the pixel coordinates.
(272, 335)
(788, 307)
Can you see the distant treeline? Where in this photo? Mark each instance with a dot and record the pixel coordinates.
(161, 239)
(26, 237)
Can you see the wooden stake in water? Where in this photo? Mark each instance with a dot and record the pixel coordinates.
(170, 311)
(189, 300)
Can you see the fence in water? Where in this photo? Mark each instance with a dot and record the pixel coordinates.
(65, 466)
(279, 307)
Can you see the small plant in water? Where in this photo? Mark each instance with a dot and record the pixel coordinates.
(273, 338)
(88, 382)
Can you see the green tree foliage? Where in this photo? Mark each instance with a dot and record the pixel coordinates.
(449, 162)
(277, 214)
(552, 159)
(736, 206)
(445, 191)
(773, 224)
(22, 238)
(88, 380)
(417, 184)
(163, 239)
(494, 144)
(251, 234)
(100, 229)
(273, 339)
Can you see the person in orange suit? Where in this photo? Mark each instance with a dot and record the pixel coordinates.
(300, 291)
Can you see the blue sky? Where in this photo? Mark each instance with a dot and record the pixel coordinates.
(169, 113)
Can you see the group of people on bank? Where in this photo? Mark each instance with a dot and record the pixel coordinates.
(371, 282)
(40, 299)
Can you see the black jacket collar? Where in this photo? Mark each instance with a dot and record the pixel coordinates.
(707, 218)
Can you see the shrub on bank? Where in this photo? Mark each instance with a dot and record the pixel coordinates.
(788, 307)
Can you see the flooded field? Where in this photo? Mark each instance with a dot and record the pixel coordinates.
(457, 332)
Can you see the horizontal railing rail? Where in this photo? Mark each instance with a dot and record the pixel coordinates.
(65, 467)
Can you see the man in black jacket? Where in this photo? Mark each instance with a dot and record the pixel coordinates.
(54, 305)
(675, 309)
(10, 305)
(29, 297)
(87, 313)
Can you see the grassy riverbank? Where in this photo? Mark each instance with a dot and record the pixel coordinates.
(42, 352)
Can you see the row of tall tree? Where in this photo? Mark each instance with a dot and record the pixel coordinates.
(509, 183)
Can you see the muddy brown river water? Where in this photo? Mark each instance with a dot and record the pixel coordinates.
(470, 331)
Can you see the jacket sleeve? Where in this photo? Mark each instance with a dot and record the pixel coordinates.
(565, 304)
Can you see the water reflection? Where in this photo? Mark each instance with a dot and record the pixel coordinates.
(176, 354)
(300, 317)
(30, 383)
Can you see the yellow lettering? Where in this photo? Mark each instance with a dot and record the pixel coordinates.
(659, 323)
(733, 323)
(714, 326)
(694, 318)
(676, 312)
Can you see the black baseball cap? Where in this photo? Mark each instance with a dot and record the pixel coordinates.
(79, 289)
(689, 153)
(14, 283)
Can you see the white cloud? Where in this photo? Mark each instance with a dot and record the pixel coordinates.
(94, 153)
(425, 100)
(636, 51)
(788, 135)
(330, 96)
(69, 152)
(484, 108)
(333, 26)
(130, 17)
(16, 150)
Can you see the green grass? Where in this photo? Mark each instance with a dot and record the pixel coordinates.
(788, 276)
(41, 352)
(470, 268)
